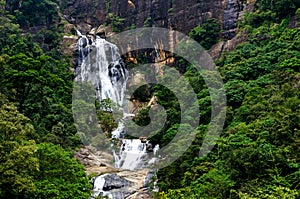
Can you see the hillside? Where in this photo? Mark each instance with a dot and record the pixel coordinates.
(256, 48)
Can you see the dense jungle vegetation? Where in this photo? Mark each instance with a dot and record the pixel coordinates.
(257, 155)
(36, 125)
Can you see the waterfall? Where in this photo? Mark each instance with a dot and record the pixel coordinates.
(131, 152)
(99, 62)
(104, 68)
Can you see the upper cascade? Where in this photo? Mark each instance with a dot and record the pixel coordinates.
(100, 63)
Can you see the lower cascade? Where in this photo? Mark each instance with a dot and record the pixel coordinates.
(100, 63)
(132, 153)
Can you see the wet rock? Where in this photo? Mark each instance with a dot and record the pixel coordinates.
(235, 12)
(98, 170)
(231, 15)
(145, 195)
(113, 181)
(229, 34)
(102, 31)
(149, 147)
(95, 161)
(123, 184)
(69, 44)
(143, 139)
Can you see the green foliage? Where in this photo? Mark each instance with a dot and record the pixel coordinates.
(34, 12)
(116, 22)
(206, 34)
(60, 175)
(256, 19)
(270, 191)
(14, 126)
(257, 155)
(282, 8)
(32, 78)
(297, 11)
(108, 6)
(30, 170)
(106, 119)
(213, 184)
(142, 117)
(27, 75)
(235, 92)
(41, 19)
(17, 156)
(36, 108)
(147, 22)
(18, 164)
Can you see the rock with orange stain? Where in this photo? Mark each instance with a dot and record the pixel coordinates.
(131, 4)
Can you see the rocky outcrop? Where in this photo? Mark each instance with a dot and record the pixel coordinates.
(231, 15)
(105, 16)
(234, 12)
(174, 14)
(130, 183)
(94, 161)
(126, 184)
(113, 181)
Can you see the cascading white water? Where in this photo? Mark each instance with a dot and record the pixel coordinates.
(104, 68)
(100, 63)
(132, 152)
(98, 187)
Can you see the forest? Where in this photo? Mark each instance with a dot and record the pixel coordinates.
(256, 156)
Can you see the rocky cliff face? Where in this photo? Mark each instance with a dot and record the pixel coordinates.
(105, 16)
(174, 14)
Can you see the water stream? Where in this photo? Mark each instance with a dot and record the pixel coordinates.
(105, 69)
